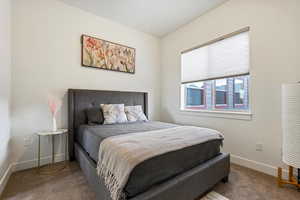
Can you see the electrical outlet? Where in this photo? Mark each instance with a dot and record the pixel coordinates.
(259, 147)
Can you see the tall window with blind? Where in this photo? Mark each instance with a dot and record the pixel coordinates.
(215, 76)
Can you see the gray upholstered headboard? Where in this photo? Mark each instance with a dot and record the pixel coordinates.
(79, 100)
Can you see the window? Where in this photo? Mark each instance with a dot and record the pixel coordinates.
(221, 93)
(215, 76)
(240, 98)
(195, 95)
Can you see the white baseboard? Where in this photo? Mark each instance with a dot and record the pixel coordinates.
(18, 166)
(258, 166)
(5, 177)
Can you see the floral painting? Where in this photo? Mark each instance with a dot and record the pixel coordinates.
(107, 55)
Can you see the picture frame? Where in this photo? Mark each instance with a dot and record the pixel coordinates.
(103, 54)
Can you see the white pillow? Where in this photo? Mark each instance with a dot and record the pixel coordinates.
(135, 113)
(113, 113)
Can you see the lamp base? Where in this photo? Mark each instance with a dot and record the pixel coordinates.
(291, 179)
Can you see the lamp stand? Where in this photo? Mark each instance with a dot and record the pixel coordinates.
(291, 179)
(298, 176)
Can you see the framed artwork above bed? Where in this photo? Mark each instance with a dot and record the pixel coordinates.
(102, 54)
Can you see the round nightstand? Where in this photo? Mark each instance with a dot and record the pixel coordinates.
(52, 134)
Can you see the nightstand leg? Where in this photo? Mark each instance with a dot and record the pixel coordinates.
(52, 148)
(39, 151)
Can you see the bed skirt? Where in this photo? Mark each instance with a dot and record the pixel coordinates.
(188, 185)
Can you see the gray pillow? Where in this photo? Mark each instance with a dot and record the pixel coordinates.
(94, 115)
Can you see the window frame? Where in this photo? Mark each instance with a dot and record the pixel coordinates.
(243, 104)
(201, 107)
(218, 108)
(214, 96)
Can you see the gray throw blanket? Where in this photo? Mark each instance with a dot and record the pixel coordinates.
(118, 155)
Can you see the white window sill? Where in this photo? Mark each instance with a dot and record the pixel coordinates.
(218, 114)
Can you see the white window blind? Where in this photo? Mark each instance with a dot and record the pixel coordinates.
(222, 58)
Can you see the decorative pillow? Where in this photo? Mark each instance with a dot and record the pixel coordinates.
(135, 113)
(94, 115)
(113, 113)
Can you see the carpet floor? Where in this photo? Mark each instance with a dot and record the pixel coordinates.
(70, 184)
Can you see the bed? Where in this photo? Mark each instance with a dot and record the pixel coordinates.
(183, 174)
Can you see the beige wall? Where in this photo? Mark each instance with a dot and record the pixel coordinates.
(5, 62)
(275, 59)
(46, 59)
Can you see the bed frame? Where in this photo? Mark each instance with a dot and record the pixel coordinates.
(186, 186)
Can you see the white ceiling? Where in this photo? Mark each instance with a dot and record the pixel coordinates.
(157, 17)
